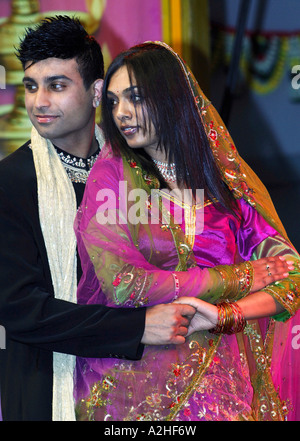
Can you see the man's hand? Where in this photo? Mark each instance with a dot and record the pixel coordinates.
(167, 324)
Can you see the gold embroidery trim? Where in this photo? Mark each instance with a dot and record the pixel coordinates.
(185, 396)
(189, 215)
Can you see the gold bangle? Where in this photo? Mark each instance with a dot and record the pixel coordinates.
(237, 279)
(244, 272)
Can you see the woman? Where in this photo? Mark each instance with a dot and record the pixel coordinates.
(147, 234)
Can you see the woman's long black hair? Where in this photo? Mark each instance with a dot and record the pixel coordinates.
(170, 106)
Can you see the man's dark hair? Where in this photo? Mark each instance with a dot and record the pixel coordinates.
(65, 38)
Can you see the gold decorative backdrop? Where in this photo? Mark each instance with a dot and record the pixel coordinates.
(116, 24)
(15, 125)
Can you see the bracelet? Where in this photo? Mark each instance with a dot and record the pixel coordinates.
(244, 272)
(176, 284)
(230, 319)
(237, 279)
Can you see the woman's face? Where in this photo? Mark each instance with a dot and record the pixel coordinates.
(130, 114)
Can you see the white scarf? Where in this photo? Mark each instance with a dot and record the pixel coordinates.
(57, 211)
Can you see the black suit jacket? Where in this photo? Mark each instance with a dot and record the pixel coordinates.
(36, 323)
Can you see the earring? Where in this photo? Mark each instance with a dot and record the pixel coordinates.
(96, 102)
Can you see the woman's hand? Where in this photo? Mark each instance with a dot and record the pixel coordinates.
(206, 316)
(265, 271)
(269, 270)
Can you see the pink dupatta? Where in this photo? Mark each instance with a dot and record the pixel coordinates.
(133, 265)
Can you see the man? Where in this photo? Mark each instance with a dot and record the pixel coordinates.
(41, 186)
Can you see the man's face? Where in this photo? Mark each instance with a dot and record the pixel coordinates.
(58, 105)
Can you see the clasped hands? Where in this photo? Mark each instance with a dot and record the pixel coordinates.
(171, 323)
(266, 270)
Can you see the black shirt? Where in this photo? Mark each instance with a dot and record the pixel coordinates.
(78, 170)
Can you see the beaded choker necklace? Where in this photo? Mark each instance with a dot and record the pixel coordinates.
(167, 171)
